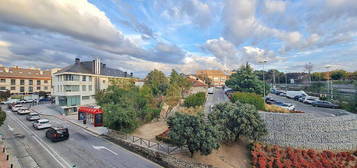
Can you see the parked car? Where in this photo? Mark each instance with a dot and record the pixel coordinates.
(287, 106)
(210, 90)
(269, 100)
(41, 124)
(297, 97)
(56, 134)
(16, 107)
(23, 111)
(324, 104)
(310, 99)
(282, 94)
(292, 94)
(33, 117)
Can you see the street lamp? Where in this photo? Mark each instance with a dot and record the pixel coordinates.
(329, 82)
(265, 61)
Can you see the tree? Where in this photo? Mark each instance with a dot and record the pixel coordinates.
(2, 116)
(4, 95)
(338, 74)
(194, 100)
(180, 81)
(194, 132)
(158, 82)
(236, 119)
(245, 80)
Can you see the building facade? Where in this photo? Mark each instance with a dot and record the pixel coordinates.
(76, 85)
(25, 80)
(216, 77)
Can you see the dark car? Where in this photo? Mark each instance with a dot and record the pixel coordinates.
(56, 134)
(297, 97)
(324, 104)
(269, 100)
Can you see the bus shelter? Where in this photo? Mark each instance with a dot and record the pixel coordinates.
(92, 115)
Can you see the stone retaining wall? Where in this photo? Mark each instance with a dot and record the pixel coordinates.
(307, 131)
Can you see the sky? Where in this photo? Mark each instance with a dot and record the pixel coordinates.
(187, 35)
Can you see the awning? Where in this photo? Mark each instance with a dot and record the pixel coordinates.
(90, 110)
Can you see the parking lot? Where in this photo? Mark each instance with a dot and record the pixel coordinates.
(307, 108)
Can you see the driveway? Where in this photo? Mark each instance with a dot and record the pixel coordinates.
(307, 108)
(217, 97)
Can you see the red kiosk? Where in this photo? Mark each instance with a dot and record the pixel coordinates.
(92, 115)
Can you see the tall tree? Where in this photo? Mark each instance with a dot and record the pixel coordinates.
(338, 74)
(246, 80)
(158, 82)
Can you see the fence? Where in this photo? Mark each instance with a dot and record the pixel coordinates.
(152, 145)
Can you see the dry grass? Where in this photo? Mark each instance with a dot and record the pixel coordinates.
(275, 109)
(191, 110)
(228, 156)
(150, 130)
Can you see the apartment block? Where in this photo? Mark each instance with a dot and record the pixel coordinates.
(25, 80)
(76, 85)
(217, 77)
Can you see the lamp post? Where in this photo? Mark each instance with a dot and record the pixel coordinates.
(329, 82)
(265, 61)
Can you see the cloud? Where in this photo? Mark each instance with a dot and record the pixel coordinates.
(275, 6)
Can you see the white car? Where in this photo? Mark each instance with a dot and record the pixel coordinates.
(16, 107)
(309, 100)
(287, 106)
(41, 124)
(210, 90)
(23, 110)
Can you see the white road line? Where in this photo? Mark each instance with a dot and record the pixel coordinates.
(51, 151)
(103, 147)
(10, 128)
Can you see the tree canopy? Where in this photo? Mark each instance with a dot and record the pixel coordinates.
(194, 132)
(237, 119)
(245, 80)
(158, 82)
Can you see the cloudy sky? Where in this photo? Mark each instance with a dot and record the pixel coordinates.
(140, 35)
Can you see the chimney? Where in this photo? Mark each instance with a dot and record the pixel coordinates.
(96, 66)
(125, 74)
(131, 74)
(104, 66)
(77, 61)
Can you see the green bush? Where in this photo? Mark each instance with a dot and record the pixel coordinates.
(194, 100)
(2, 117)
(249, 98)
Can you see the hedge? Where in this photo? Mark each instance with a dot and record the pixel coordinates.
(249, 98)
(194, 100)
(2, 117)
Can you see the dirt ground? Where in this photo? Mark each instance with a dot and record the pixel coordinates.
(150, 130)
(227, 156)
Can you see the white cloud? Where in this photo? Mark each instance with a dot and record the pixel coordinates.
(79, 19)
(275, 6)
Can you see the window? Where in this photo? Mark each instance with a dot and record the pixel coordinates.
(13, 88)
(22, 89)
(2, 88)
(90, 79)
(85, 97)
(30, 82)
(45, 81)
(46, 88)
(22, 82)
(84, 78)
(38, 88)
(30, 89)
(71, 88)
(69, 77)
(103, 81)
(2, 80)
(13, 81)
(38, 82)
(84, 88)
(90, 87)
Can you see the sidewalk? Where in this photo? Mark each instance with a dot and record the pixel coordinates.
(90, 127)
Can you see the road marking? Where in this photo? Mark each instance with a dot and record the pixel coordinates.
(51, 151)
(10, 128)
(102, 147)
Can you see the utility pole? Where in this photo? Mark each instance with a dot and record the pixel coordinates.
(309, 67)
(329, 82)
(273, 78)
(265, 61)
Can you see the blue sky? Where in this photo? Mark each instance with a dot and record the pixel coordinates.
(187, 35)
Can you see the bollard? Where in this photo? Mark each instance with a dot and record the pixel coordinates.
(7, 157)
(3, 149)
(11, 166)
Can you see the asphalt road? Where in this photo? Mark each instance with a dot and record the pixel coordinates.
(307, 108)
(82, 149)
(218, 96)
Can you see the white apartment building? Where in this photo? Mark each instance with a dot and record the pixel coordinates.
(76, 85)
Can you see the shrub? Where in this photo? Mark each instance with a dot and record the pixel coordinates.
(275, 109)
(194, 100)
(2, 117)
(249, 98)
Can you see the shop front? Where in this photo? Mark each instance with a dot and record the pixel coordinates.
(91, 115)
